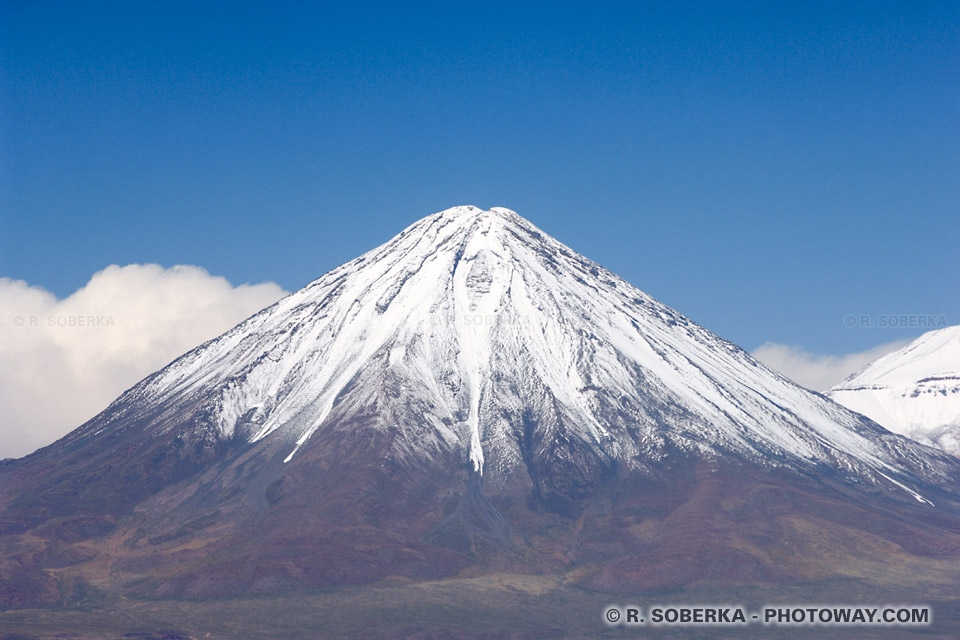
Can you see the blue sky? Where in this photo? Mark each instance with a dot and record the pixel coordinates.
(765, 170)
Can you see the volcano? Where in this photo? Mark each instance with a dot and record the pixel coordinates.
(471, 398)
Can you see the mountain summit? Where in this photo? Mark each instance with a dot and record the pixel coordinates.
(914, 391)
(472, 395)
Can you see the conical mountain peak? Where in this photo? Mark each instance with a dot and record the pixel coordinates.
(472, 395)
(475, 333)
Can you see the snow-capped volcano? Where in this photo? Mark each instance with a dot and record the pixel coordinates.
(479, 318)
(914, 391)
(471, 396)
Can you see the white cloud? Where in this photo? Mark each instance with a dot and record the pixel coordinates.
(63, 361)
(817, 371)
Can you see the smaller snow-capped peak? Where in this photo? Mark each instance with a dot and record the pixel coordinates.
(914, 391)
(935, 353)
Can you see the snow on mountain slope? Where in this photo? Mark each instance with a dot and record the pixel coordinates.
(496, 337)
(914, 391)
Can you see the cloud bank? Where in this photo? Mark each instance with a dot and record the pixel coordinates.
(817, 371)
(63, 361)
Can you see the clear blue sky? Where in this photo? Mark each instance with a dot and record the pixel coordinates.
(765, 170)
